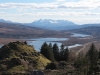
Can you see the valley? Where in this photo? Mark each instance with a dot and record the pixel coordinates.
(10, 32)
(21, 47)
(17, 32)
(49, 37)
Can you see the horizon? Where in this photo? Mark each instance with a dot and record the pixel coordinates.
(76, 11)
(47, 19)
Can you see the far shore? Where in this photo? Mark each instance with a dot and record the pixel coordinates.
(7, 40)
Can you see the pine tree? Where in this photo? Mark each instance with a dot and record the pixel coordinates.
(47, 51)
(56, 52)
(80, 65)
(44, 48)
(62, 50)
(66, 54)
(50, 45)
(92, 54)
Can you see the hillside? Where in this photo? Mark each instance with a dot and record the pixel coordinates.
(2, 20)
(92, 30)
(18, 57)
(10, 30)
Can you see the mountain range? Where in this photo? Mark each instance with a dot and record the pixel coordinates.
(14, 30)
(53, 24)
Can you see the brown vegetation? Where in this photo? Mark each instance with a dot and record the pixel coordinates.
(8, 30)
(6, 40)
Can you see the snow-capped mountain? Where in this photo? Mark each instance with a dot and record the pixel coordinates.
(53, 24)
(50, 21)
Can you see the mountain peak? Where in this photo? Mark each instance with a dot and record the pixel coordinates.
(51, 21)
(53, 24)
(6, 21)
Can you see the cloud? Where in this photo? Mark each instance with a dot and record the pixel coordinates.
(60, 13)
(60, 4)
(60, 9)
(61, 0)
(2, 12)
(77, 17)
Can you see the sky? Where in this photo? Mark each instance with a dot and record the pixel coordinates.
(27, 11)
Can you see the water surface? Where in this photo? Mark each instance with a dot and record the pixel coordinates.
(79, 35)
(39, 41)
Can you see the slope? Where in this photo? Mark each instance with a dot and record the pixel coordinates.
(10, 30)
(18, 57)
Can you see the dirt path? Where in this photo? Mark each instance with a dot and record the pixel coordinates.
(84, 47)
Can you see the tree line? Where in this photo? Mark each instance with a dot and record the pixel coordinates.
(85, 64)
(53, 53)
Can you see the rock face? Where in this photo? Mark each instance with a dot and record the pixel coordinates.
(18, 57)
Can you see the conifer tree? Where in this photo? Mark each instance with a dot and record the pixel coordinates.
(81, 65)
(92, 54)
(56, 52)
(62, 50)
(44, 48)
(66, 54)
(50, 45)
(79, 62)
(47, 51)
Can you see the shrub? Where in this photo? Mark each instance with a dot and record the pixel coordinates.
(51, 66)
(3, 67)
(62, 63)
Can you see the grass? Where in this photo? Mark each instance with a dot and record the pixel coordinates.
(18, 69)
(42, 62)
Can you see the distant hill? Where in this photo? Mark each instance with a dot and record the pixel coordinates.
(89, 25)
(4, 21)
(11, 30)
(18, 57)
(51, 24)
(90, 30)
